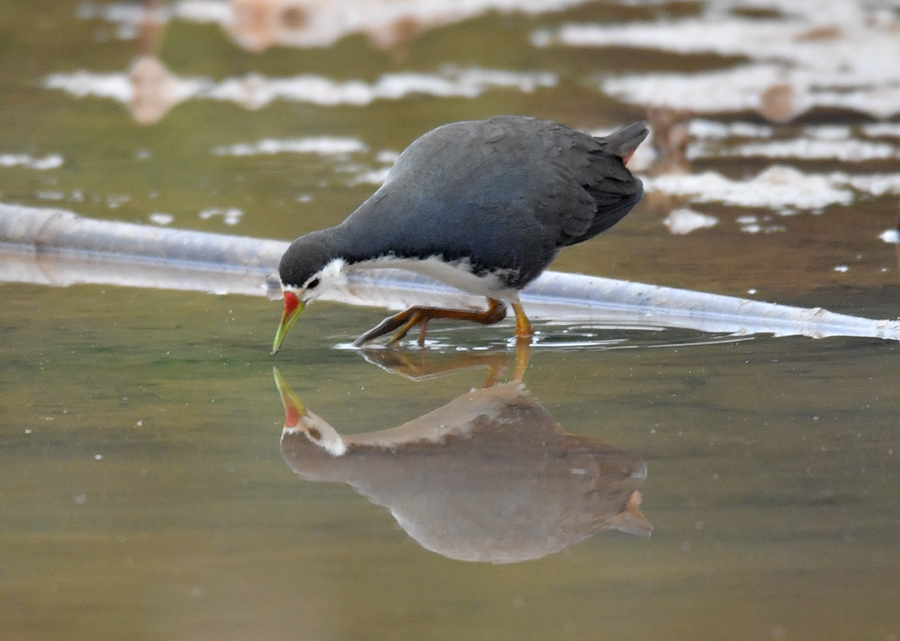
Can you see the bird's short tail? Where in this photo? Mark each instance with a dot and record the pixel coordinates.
(623, 142)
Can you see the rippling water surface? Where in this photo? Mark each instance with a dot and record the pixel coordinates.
(149, 488)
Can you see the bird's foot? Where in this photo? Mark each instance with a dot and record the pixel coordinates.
(409, 318)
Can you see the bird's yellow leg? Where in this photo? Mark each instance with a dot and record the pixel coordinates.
(524, 332)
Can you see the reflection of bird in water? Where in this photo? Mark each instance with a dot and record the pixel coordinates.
(259, 24)
(389, 24)
(671, 135)
(482, 205)
(155, 90)
(488, 477)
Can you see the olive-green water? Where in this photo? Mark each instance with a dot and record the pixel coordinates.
(144, 492)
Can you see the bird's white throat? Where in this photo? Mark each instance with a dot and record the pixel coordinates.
(326, 278)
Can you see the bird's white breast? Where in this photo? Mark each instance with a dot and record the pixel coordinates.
(458, 274)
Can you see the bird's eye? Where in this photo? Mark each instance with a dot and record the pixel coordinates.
(313, 283)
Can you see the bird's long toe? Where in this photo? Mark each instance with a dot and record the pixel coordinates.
(415, 318)
(388, 325)
(407, 319)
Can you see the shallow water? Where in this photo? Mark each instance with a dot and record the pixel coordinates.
(143, 490)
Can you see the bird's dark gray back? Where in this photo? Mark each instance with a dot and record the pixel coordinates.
(505, 192)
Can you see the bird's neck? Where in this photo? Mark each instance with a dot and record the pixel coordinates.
(366, 235)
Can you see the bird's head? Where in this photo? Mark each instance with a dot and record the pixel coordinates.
(306, 270)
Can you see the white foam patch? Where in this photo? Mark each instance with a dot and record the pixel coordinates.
(85, 83)
(255, 91)
(882, 129)
(230, 216)
(776, 187)
(780, 187)
(702, 128)
(711, 139)
(743, 88)
(802, 148)
(683, 221)
(256, 25)
(731, 90)
(756, 224)
(202, 11)
(51, 161)
(119, 86)
(890, 236)
(114, 202)
(825, 53)
(371, 177)
(321, 145)
(387, 156)
(161, 218)
(873, 184)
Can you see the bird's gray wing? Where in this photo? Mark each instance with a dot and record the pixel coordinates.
(586, 189)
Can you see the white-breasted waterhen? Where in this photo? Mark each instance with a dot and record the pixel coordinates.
(482, 205)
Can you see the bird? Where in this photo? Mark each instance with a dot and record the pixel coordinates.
(481, 205)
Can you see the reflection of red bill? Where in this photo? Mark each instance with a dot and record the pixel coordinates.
(631, 519)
